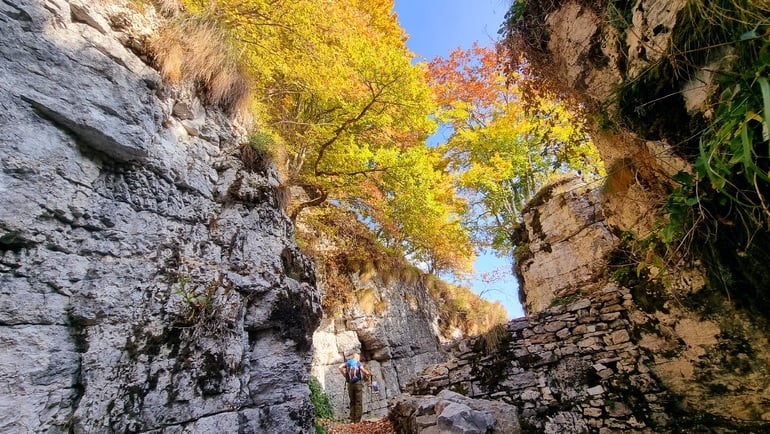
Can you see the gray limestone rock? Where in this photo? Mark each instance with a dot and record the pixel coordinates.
(140, 290)
(450, 412)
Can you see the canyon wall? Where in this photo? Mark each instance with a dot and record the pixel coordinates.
(562, 245)
(394, 327)
(602, 349)
(149, 280)
(706, 339)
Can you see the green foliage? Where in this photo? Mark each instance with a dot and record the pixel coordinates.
(257, 153)
(335, 85)
(321, 404)
(567, 299)
(262, 142)
(637, 265)
(198, 299)
(620, 14)
(734, 150)
(515, 15)
(729, 187)
(502, 149)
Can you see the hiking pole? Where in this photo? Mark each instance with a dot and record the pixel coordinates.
(371, 405)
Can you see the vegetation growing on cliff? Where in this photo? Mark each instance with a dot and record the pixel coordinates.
(342, 246)
(334, 88)
(719, 213)
(345, 112)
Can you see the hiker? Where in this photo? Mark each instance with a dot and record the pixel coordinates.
(354, 372)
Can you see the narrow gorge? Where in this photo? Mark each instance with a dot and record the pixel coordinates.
(153, 281)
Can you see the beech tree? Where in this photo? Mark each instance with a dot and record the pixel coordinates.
(501, 149)
(352, 111)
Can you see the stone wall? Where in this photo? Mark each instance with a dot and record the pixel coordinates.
(148, 281)
(600, 364)
(696, 342)
(571, 368)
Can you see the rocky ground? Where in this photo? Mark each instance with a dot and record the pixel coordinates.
(375, 426)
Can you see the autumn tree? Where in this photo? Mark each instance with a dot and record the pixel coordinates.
(502, 149)
(340, 91)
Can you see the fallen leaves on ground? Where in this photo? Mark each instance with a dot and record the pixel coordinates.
(378, 426)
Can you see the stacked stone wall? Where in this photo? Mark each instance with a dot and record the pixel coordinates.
(571, 368)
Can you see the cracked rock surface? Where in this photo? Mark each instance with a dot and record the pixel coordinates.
(143, 272)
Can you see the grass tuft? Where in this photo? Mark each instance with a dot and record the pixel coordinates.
(199, 51)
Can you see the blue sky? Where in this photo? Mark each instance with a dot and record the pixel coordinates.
(436, 27)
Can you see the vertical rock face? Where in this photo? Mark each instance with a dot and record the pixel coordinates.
(562, 245)
(694, 346)
(147, 281)
(701, 347)
(394, 327)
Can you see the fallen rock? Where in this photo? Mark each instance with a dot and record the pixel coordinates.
(450, 412)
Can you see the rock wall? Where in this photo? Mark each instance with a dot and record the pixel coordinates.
(572, 368)
(700, 345)
(393, 325)
(695, 342)
(593, 356)
(562, 244)
(577, 368)
(148, 282)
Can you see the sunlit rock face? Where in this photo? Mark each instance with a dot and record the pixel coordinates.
(148, 282)
(394, 325)
(694, 340)
(562, 244)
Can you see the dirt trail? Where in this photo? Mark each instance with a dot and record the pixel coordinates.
(377, 426)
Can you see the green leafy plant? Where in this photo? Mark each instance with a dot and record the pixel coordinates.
(567, 299)
(321, 404)
(733, 151)
(724, 200)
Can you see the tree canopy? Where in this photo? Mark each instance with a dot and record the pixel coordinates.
(504, 147)
(339, 92)
(339, 88)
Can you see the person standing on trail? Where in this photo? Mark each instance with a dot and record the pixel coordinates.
(354, 372)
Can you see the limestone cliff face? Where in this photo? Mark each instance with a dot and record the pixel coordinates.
(393, 324)
(148, 282)
(700, 357)
(562, 245)
(700, 346)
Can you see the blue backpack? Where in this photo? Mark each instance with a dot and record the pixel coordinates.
(353, 371)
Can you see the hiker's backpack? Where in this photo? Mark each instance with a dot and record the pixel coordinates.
(353, 371)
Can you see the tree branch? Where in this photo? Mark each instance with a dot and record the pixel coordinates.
(320, 198)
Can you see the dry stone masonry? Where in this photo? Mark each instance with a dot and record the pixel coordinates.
(572, 368)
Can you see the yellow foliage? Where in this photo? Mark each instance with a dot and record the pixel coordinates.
(381, 307)
(337, 83)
